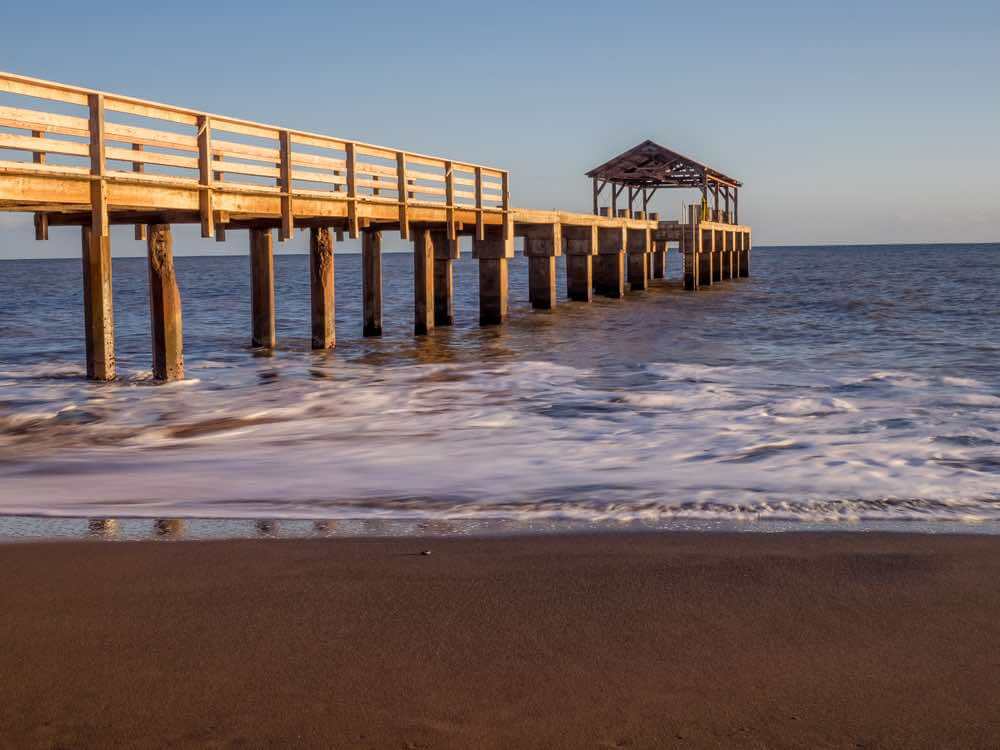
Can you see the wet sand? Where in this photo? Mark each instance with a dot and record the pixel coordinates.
(597, 641)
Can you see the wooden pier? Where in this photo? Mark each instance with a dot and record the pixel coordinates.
(95, 159)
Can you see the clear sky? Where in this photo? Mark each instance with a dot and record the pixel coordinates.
(848, 122)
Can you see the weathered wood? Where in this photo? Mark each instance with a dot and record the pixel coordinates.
(165, 318)
(580, 277)
(371, 281)
(609, 264)
(659, 259)
(321, 288)
(423, 280)
(445, 252)
(262, 288)
(205, 176)
(139, 167)
(716, 253)
(638, 259)
(542, 244)
(98, 309)
(353, 226)
(493, 290)
(285, 182)
(705, 259)
(41, 221)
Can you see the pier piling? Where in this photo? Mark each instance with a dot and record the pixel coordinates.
(542, 245)
(371, 281)
(446, 251)
(609, 265)
(638, 259)
(262, 288)
(98, 310)
(493, 251)
(423, 280)
(164, 305)
(321, 288)
(581, 249)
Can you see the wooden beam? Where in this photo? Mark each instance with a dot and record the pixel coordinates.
(542, 245)
(445, 251)
(321, 288)
(493, 251)
(262, 288)
(402, 183)
(352, 191)
(40, 219)
(164, 305)
(480, 225)
(139, 168)
(371, 281)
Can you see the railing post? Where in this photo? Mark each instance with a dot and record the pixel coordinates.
(480, 225)
(139, 167)
(205, 176)
(285, 169)
(403, 196)
(352, 191)
(505, 202)
(449, 197)
(41, 220)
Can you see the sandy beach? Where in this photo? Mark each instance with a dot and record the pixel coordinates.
(575, 641)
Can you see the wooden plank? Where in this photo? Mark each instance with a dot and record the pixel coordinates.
(164, 306)
(37, 143)
(317, 141)
(151, 110)
(42, 90)
(205, 177)
(262, 288)
(227, 125)
(245, 151)
(233, 167)
(149, 137)
(30, 119)
(150, 157)
(312, 160)
(423, 281)
(323, 177)
(401, 184)
(371, 281)
(287, 216)
(321, 288)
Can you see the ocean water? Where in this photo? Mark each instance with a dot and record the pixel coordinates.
(838, 387)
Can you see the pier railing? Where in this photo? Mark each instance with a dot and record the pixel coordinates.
(92, 135)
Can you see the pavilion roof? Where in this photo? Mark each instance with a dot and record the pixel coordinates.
(650, 165)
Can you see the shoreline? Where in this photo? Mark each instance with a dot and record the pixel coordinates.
(602, 640)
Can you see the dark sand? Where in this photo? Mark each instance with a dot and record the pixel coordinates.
(611, 641)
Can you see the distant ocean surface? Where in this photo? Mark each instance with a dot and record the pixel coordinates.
(836, 387)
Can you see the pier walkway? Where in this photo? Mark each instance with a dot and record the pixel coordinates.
(93, 159)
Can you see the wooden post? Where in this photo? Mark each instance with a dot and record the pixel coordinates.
(139, 167)
(659, 259)
(716, 255)
(262, 288)
(493, 251)
(371, 281)
(478, 179)
(609, 265)
(40, 219)
(705, 275)
(597, 192)
(542, 245)
(164, 305)
(98, 309)
(423, 281)
(287, 230)
(98, 312)
(690, 247)
(581, 247)
(403, 196)
(638, 259)
(205, 176)
(321, 288)
(350, 157)
(445, 252)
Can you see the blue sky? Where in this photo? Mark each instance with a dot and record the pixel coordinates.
(848, 122)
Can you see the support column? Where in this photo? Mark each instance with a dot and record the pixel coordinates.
(638, 259)
(716, 255)
(423, 280)
(493, 251)
(262, 288)
(321, 288)
(745, 261)
(659, 259)
(581, 247)
(164, 305)
(98, 311)
(705, 258)
(371, 281)
(542, 245)
(609, 264)
(690, 235)
(445, 253)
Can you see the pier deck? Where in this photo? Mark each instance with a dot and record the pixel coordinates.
(93, 159)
